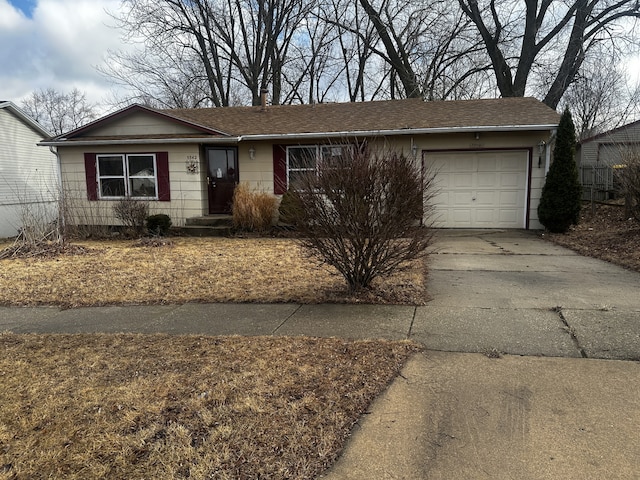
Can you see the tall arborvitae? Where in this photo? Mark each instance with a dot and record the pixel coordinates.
(562, 193)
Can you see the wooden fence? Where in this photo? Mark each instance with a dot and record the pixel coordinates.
(598, 182)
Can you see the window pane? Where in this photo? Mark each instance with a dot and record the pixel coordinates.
(302, 157)
(110, 166)
(112, 187)
(330, 154)
(295, 176)
(142, 187)
(140, 165)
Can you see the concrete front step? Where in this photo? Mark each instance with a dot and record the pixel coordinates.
(210, 221)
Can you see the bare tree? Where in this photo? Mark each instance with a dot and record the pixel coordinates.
(207, 48)
(523, 37)
(602, 97)
(429, 49)
(60, 112)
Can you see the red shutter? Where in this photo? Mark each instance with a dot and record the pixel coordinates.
(90, 172)
(164, 190)
(279, 169)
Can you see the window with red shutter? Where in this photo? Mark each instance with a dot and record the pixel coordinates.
(121, 175)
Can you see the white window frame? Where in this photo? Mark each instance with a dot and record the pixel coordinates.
(126, 176)
(318, 156)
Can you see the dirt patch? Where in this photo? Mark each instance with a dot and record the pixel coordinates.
(604, 232)
(268, 270)
(140, 406)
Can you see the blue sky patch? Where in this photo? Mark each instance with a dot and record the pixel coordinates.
(25, 6)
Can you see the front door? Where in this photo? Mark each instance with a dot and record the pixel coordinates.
(222, 177)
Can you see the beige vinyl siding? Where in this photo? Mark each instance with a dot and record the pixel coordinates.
(258, 173)
(188, 190)
(28, 173)
(142, 123)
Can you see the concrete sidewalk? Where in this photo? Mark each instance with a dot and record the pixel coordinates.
(454, 413)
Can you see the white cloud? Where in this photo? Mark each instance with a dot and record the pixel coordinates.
(59, 47)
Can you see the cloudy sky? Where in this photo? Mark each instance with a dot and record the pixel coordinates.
(57, 44)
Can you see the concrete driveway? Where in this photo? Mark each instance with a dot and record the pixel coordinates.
(467, 416)
(516, 293)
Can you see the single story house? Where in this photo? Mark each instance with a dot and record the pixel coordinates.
(491, 155)
(599, 156)
(29, 175)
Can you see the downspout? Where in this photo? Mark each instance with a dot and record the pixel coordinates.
(61, 199)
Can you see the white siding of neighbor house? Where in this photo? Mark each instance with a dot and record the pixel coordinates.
(28, 174)
(140, 123)
(188, 190)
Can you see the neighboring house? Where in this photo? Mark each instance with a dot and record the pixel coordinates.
(599, 156)
(490, 154)
(29, 174)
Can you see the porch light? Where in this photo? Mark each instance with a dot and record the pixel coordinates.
(541, 151)
(252, 153)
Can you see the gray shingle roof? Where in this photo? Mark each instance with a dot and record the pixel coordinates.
(371, 116)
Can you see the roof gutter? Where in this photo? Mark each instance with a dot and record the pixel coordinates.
(303, 136)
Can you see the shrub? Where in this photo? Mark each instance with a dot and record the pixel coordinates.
(132, 214)
(362, 213)
(252, 211)
(289, 209)
(628, 178)
(560, 202)
(158, 224)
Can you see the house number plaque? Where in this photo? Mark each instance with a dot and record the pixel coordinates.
(192, 164)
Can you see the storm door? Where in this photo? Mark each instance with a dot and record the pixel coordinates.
(222, 177)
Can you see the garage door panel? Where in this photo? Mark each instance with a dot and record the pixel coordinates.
(487, 163)
(480, 189)
(509, 180)
(508, 216)
(463, 180)
(463, 198)
(461, 216)
(485, 198)
(486, 179)
(485, 216)
(464, 165)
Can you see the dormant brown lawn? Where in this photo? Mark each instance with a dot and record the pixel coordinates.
(167, 407)
(141, 407)
(191, 270)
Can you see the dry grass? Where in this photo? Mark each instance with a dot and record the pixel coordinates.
(191, 270)
(142, 407)
(605, 233)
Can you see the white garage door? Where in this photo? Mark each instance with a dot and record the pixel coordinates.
(484, 189)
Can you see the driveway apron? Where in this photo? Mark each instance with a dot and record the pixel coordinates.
(513, 292)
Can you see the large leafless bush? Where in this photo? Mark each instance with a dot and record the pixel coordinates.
(362, 212)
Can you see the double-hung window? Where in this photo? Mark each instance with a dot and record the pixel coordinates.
(127, 175)
(308, 158)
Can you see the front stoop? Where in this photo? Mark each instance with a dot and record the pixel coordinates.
(208, 226)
